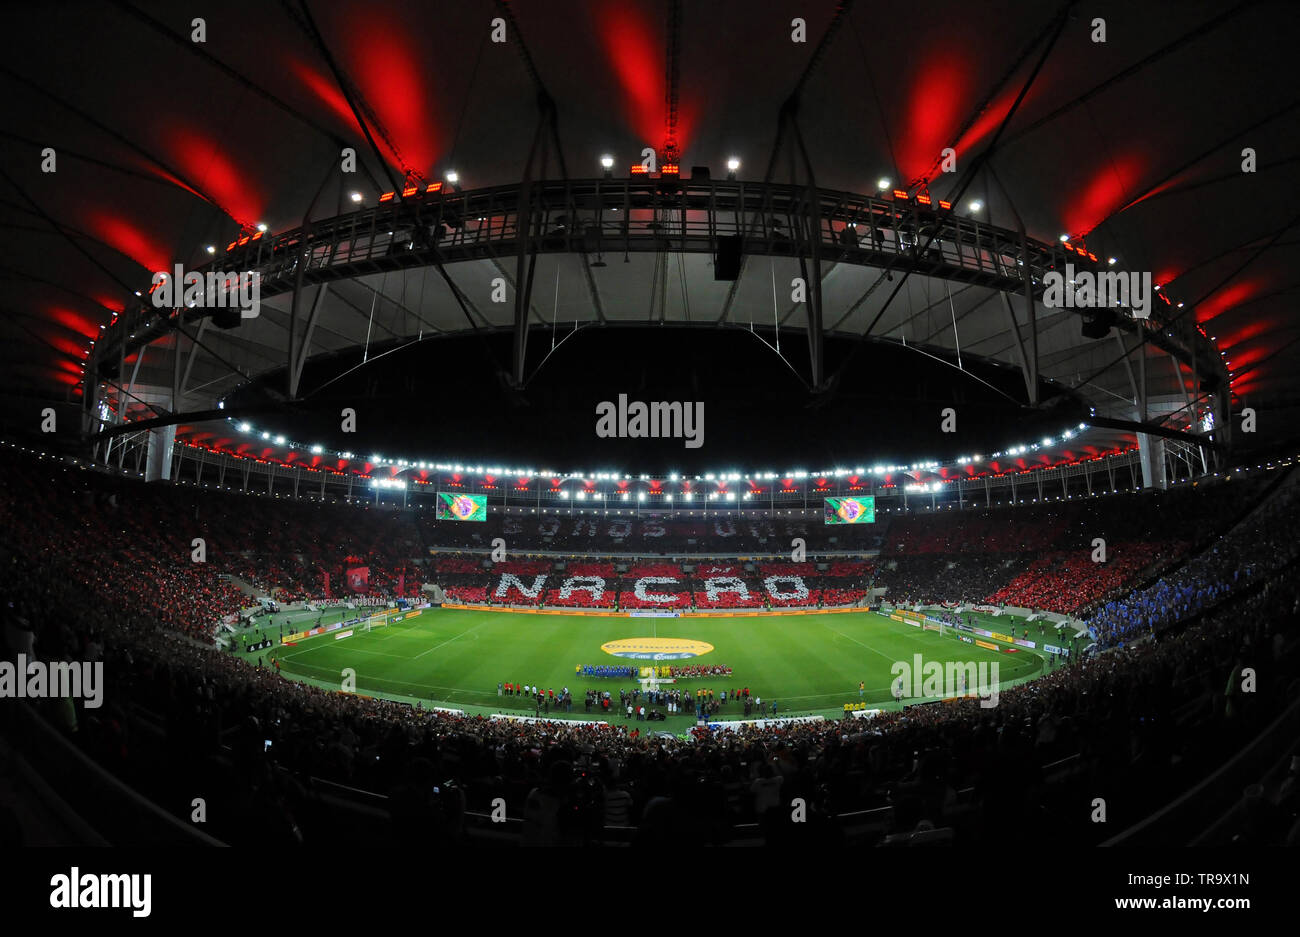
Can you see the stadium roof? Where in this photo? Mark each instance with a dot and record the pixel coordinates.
(1132, 148)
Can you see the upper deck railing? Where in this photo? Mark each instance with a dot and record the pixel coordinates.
(430, 224)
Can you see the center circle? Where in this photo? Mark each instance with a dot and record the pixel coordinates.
(656, 648)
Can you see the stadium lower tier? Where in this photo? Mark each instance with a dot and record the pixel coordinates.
(957, 767)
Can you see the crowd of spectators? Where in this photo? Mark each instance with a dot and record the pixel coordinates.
(1117, 714)
(1046, 556)
(1066, 581)
(653, 533)
(640, 584)
(1263, 542)
(1149, 718)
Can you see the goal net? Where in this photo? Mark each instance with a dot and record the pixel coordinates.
(381, 619)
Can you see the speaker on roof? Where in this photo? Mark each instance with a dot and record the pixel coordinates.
(224, 318)
(726, 266)
(1098, 322)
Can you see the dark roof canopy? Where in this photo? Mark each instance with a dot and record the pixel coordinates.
(1132, 146)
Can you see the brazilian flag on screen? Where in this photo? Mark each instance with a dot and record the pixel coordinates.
(453, 507)
(851, 510)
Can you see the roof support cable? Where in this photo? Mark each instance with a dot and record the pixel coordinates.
(776, 317)
(349, 95)
(956, 339)
(365, 352)
(969, 176)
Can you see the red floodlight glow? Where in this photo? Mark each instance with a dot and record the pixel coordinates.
(669, 169)
(946, 206)
(900, 194)
(231, 246)
(386, 197)
(433, 187)
(639, 170)
(409, 191)
(923, 199)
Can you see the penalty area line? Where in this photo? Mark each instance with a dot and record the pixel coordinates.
(449, 640)
(856, 641)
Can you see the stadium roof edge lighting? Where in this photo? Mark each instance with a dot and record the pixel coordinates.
(403, 464)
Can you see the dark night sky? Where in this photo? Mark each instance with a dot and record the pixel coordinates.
(447, 398)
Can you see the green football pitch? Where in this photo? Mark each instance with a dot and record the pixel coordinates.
(808, 664)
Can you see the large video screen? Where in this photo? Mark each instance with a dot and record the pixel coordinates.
(452, 507)
(851, 510)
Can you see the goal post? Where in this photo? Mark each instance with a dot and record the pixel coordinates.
(382, 619)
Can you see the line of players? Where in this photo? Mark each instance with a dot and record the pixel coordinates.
(632, 703)
(677, 673)
(617, 671)
(543, 700)
(704, 703)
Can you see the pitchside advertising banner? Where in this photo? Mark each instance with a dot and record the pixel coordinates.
(908, 617)
(1021, 642)
(454, 507)
(851, 510)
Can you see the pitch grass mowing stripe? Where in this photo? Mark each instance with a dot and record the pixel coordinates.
(910, 640)
(913, 640)
(803, 662)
